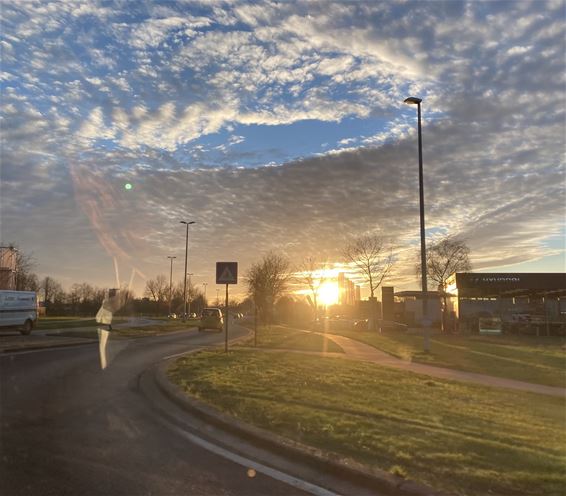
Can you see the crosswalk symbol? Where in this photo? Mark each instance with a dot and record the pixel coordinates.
(226, 272)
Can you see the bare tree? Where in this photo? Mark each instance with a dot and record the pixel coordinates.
(26, 280)
(445, 257)
(52, 292)
(369, 254)
(157, 289)
(267, 280)
(312, 273)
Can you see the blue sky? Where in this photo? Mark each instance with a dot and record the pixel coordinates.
(279, 125)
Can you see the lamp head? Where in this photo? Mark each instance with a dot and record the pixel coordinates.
(412, 100)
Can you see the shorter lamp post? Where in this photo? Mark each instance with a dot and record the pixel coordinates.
(185, 273)
(171, 283)
(189, 292)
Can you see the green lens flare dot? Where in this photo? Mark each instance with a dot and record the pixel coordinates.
(128, 186)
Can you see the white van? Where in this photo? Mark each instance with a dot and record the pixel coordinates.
(18, 309)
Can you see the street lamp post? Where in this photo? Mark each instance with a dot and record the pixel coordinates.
(417, 101)
(171, 283)
(185, 273)
(205, 284)
(189, 295)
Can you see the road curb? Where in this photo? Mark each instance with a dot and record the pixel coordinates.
(373, 479)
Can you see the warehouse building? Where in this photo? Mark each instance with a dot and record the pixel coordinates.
(523, 303)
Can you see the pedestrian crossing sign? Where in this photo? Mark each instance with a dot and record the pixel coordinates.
(226, 272)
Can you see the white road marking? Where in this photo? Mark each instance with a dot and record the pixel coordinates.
(258, 467)
(193, 350)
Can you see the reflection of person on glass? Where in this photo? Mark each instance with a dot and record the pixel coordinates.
(110, 305)
(113, 301)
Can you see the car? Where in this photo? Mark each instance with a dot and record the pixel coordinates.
(172, 316)
(211, 318)
(361, 325)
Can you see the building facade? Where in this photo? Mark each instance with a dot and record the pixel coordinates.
(527, 303)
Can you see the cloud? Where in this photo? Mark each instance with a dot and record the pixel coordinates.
(115, 97)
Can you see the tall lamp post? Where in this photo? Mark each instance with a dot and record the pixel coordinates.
(205, 284)
(171, 283)
(185, 273)
(417, 101)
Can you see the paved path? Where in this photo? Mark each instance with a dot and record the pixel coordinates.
(357, 350)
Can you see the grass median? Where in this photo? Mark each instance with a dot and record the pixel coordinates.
(133, 332)
(47, 323)
(282, 337)
(523, 358)
(467, 439)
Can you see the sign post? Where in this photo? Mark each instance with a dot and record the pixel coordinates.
(226, 273)
(226, 313)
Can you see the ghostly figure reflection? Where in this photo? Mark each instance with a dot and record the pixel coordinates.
(113, 301)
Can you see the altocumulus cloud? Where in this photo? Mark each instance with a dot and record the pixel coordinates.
(96, 95)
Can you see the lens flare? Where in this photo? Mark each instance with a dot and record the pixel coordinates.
(329, 293)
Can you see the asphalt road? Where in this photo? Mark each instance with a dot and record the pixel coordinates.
(68, 427)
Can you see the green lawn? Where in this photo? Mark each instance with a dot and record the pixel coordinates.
(44, 323)
(524, 358)
(462, 438)
(281, 337)
(149, 330)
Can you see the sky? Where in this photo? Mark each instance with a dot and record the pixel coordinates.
(279, 126)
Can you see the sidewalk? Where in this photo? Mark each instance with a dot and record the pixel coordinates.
(356, 350)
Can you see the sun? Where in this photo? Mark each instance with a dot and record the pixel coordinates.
(329, 293)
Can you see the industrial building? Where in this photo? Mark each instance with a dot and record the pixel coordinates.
(525, 303)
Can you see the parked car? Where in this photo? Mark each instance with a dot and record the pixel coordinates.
(361, 325)
(172, 316)
(211, 318)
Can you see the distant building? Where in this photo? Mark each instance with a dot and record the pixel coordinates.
(349, 293)
(409, 307)
(8, 258)
(524, 302)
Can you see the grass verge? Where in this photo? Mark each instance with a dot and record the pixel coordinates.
(45, 323)
(462, 438)
(281, 337)
(149, 330)
(522, 358)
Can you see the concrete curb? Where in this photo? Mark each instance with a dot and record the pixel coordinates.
(347, 469)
